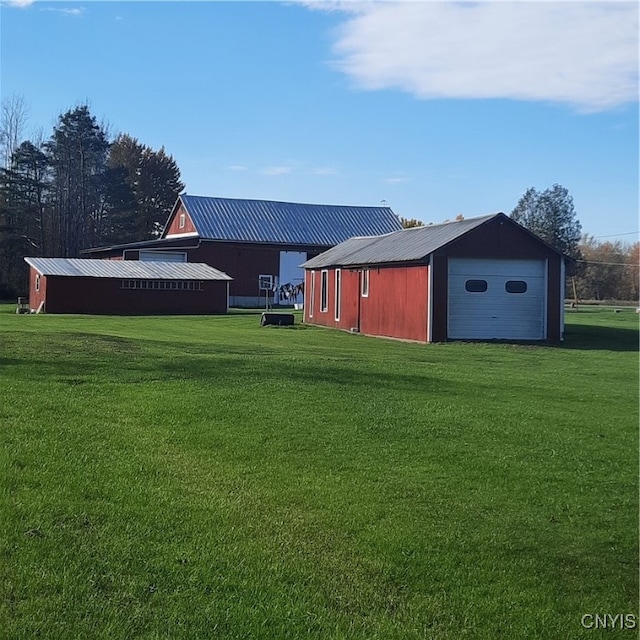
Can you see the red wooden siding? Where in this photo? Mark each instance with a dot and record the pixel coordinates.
(36, 297)
(174, 223)
(349, 287)
(349, 299)
(104, 296)
(396, 305)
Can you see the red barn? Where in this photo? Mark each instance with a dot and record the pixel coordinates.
(485, 278)
(252, 238)
(74, 285)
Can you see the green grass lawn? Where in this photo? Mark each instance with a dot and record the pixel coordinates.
(205, 477)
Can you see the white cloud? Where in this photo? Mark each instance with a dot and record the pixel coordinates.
(237, 167)
(69, 12)
(276, 171)
(18, 3)
(584, 54)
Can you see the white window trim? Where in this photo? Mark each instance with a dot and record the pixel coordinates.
(364, 290)
(338, 285)
(324, 285)
(37, 282)
(312, 292)
(265, 282)
(182, 221)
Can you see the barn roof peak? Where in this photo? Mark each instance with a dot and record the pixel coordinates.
(288, 223)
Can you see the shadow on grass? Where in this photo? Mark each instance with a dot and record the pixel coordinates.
(84, 359)
(586, 337)
(223, 372)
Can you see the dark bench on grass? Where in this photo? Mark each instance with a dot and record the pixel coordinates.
(278, 319)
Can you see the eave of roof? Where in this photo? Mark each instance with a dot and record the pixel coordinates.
(134, 269)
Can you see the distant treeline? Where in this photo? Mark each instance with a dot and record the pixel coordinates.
(606, 271)
(75, 190)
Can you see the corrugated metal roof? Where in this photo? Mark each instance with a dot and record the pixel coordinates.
(134, 269)
(407, 245)
(285, 222)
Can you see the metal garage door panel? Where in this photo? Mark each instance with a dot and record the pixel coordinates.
(495, 313)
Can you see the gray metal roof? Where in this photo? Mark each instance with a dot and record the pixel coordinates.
(407, 245)
(134, 269)
(285, 222)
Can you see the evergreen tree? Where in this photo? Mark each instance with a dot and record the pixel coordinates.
(23, 214)
(552, 217)
(77, 153)
(154, 179)
(120, 203)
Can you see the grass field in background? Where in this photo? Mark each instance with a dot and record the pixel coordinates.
(205, 477)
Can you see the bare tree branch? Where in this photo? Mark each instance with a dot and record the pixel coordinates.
(14, 114)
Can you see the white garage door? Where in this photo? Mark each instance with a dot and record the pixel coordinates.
(496, 299)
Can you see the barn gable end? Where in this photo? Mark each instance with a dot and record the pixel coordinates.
(180, 223)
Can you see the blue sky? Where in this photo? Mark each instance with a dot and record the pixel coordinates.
(437, 108)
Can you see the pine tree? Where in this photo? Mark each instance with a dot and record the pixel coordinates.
(77, 153)
(23, 214)
(154, 179)
(552, 217)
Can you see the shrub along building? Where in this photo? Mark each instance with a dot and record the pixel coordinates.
(75, 285)
(252, 238)
(477, 279)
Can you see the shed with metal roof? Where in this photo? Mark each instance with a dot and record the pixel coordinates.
(484, 278)
(252, 238)
(77, 285)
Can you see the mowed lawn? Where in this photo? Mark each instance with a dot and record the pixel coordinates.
(205, 477)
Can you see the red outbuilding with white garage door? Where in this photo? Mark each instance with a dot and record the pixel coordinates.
(485, 278)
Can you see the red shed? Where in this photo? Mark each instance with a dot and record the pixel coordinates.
(75, 285)
(485, 278)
